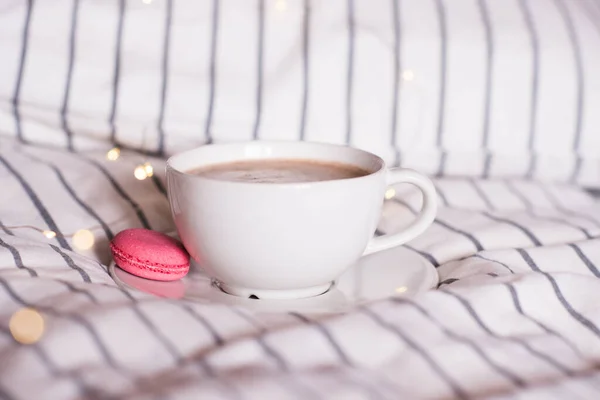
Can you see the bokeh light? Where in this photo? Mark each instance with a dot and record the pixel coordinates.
(83, 239)
(408, 75)
(113, 154)
(148, 169)
(26, 326)
(390, 193)
(140, 172)
(280, 5)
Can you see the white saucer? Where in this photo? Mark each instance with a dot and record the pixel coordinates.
(394, 272)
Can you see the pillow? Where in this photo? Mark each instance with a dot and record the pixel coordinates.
(464, 88)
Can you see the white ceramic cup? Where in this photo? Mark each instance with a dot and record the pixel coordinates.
(285, 240)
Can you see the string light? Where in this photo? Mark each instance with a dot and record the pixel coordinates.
(82, 234)
(408, 75)
(140, 172)
(147, 1)
(390, 193)
(26, 326)
(148, 169)
(113, 154)
(49, 234)
(280, 5)
(401, 289)
(83, 239)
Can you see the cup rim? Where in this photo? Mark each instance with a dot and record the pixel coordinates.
(378, 160)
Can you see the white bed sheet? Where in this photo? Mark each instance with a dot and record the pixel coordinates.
(517, 313)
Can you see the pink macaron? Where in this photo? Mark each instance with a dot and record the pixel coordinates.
(150, 254)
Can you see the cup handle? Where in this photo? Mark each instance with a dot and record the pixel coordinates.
(423, 220)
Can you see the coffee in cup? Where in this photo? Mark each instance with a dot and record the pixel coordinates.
(284, 219)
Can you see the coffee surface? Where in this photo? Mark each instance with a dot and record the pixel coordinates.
(279, 171)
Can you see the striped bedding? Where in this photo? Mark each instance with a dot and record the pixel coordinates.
(448, 87)
(483, 94)
(516, 315)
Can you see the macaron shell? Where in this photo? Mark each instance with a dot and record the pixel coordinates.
(149, 254)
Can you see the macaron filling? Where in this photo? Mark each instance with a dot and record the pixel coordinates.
(146, 264)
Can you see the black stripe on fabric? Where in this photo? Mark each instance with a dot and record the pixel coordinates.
(159, 185)
(157, 333)
(37, 349)
(370, 390)
(517, 193)
(52, 369)
(489, 39)
(450, 281)
(441, 16)
(487, 164)
(447, 282)
(136, 207)
(471, 311)
(562, 221)
(75, 289)
(535, 55)
(350, 72)
(396, 86)
(515, 298)
(305, 67)
(17, 258)
(580, 76)
(153, 329)
(74, 195)
(442, 195)
(334, 344)
(84, 275)
(165, 77)
(117, 72)
(592, 13)
(531, 210)
(5, 229)
(108, 357)
(442, 164)
(4, 394)
(567, 306)
(204, 322)
(50, 366)
(72, 54)
(87, 208)
(259, 68)
(212, 71)
(482, 195)
(428, 256)
(520, 227)
(467, 235)
(424, 254)
(588, 263)
(37, 203)
(16, 98)
(290, 380)
(512, 377)
(560, 207)
(576, 169)
(456, 389)
(494, 261)
(268, 350)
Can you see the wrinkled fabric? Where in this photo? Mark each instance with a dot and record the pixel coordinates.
(516, 315)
